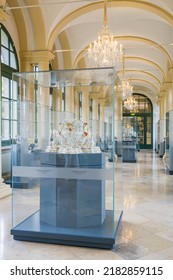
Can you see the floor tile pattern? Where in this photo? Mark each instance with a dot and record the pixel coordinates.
(144, 191)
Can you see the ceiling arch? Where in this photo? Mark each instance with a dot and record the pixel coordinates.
(38, 25)
(140, 72)
(21, 26)
(67, 28)
(147, 42)
(168, 17)
(143, 81)
(141, 59)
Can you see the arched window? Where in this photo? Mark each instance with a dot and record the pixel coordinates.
(144, 105)
(9, 64)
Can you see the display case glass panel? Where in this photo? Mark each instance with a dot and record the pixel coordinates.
(169, 141)
(161, 137)
(118, 137)
(129, 143)
(63, 182)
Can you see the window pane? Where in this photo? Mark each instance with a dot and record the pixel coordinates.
(5, 87)
(5, 130)
(14, 129)
(5, 56)
(14, 110)
(4, 39)
(5, 109)
(11, 47)
(149, 141)
(13, 60)
(14, 90)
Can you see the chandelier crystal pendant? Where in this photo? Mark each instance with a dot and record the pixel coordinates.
(130, 103)
(125, 87)
(105, 52)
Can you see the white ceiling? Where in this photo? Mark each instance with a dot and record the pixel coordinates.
(145, 28)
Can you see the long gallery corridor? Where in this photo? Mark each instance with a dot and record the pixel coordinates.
(144, 191)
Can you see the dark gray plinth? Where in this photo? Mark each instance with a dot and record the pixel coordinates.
(72, 202)
(103, 236)
(129, 151)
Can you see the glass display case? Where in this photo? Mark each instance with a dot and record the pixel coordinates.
(157, 140)
(63, 183)
(118, 138)
(161, 138)
(169, 141)
(129, 146)
(103, 138)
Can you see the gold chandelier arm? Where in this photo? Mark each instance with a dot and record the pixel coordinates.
(105, 13)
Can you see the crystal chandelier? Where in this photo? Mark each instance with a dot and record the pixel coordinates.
(125, 87)
(105, 51)
(130, 103)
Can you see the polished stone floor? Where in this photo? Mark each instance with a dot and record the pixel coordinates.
(144, 191)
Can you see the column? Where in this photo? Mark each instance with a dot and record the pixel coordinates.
(102, 110)
(4, 188)
(55, 98)
(168, 88)
(118, 118)
(172, 87)
(42, 60)
(160, 103)
(85, 105)
(69, 102)
(170, 97)
(76, 103)
(95, 123)
(102, 124)
(164, 110)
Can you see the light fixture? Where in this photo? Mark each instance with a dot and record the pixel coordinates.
(106, 51)
(130, 103)
(125, 87)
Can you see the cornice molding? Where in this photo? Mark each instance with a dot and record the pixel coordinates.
(36, 56)
(3, 15)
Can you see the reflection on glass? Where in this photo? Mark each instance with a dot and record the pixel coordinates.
(5, 130)
(5, 87)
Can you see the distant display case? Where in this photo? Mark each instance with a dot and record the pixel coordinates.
(169, 141)
(63, 183)
(129, 143)
(157, 142)
(161, 138)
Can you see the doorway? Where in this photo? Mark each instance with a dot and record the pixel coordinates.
(144, 116)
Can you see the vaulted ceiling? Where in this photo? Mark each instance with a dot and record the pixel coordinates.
(67, 27)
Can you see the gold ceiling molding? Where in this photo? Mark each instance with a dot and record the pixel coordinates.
(150, 7)
(37, 21)
(147, 42)
(141, 59)
(168, 17)
(144, 73)
(20, 23)
(83, 52)
(3, 15)
(79, 57)
(36, 56)
(38, 25)
(145, 82)
(63, 38)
